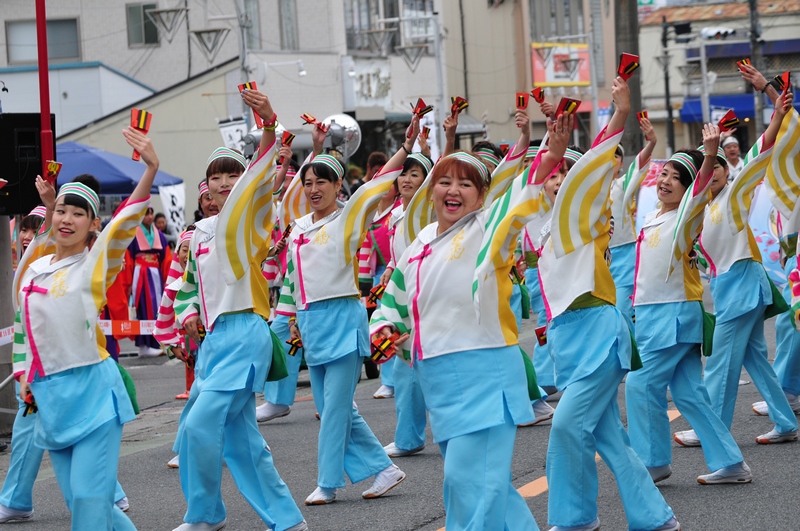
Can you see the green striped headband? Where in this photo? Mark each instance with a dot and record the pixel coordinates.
(81, 190)
(572, 155)
(487, 155)
(720, 153)
(469, 159)
(331, 162)
(687, 162)
(422, 160)
(532, 152)
(223, 152)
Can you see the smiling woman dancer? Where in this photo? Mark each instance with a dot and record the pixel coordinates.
(579, 294)
(225, 292)
(59, 357)
(742, 292)
(321, 282)
(471, 374)
(670, 322)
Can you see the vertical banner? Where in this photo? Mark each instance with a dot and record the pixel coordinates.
(173, 199)
(233, 132)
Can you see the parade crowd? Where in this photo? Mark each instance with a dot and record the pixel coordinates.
(426, 267)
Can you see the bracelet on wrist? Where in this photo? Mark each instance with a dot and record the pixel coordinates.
(405, 149)
(272, 124)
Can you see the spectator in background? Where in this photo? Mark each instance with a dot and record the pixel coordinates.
(161, 224)
(151, 257)
(731, 147)
(375, 162)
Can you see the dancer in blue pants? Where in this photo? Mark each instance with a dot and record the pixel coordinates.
(225, 292)
(59, 361)
(580, 295)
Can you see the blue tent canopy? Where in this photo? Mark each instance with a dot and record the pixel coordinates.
(117, 174)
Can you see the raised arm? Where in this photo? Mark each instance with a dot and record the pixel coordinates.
(450, 125)
(284, 153)
(650, 137)
(260, 103)
(558, 133)
(141, 143)
(759, 82)
(523, 121)
(621, 95)
(782, 107)
(711, 145)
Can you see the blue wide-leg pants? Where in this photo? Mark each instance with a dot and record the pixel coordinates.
(346, 442)
(77, 469)
(740, 342)
(409, 405)
(283, 391)
(678, 367)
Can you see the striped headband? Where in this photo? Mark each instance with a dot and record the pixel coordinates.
(720, 153)
(572, 155)
(203, 188)
(331, 162)
(487, 155)
(532, 152)
(469, 159)
(39, 211)
(687, 162)
(223, 153)
(423, 161)
(81, 190)
(291, 172)
(185, 236)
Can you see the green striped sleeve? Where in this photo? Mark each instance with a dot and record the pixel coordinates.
(286, 304)
(187, 300)
(19, 351)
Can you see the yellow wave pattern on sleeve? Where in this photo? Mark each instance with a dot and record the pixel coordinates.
(238, 220)
(575, 219)
(359, 211)
(743, 188)
(689, 224)
(419, 212)
(294, 204)
(783, 174)
(503, 176)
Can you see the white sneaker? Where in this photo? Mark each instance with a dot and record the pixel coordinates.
(268, 411)
(760, 408)
(7, 514)
(321, 496)
(302, 526)
(393, 451)
(670, 525)
(201, 526)
(738, 473)
(148, 352)
(384, 391)
(593, 526)
(174, 462)
(542, 411)
(773, 437)
(660, 473)
(385, 480)
(686, 438)
(123, 504)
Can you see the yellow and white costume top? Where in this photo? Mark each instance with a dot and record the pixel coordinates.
(223, 272)
(574, 256)
(63, 333)
(624, 192)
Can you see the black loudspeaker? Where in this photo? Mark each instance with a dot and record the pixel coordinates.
(21, 160)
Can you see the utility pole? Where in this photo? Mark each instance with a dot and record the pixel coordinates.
(755, 58)
(626, 28)
(664, 60)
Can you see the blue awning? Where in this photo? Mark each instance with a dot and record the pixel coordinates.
(742, 104)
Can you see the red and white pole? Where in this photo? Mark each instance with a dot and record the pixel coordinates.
(44, 86)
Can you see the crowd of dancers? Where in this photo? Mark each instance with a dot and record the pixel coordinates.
(462, 249)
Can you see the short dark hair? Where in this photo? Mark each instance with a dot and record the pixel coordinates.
(159, 215)
(323, 171)
(225, 165)
(410, 163)
(79, 202)
(31, 222)
(488, 145)
(377, 159)
(684, 176)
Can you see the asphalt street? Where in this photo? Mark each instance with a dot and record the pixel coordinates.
(769, 503)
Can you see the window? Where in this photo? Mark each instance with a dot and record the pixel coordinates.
(253, 31)
(288, 15)
(141, 30)
(364, 30)
(551, 18)
(62, 40)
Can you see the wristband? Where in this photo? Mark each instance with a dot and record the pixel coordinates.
(272, 124)
(405, 149)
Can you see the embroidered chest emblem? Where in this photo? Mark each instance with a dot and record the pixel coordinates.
(59, 287)
(716, 214)
(655, 238)
(456, 247)
(322, 238)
